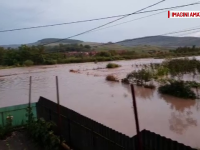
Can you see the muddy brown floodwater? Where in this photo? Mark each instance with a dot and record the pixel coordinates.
(109, 103)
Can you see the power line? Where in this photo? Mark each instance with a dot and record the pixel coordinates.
(180, 6)
(172, 8)
(96, 19)
(189, 33)
(130, 21)
(180, 31)
(60, 24)
(104, 24)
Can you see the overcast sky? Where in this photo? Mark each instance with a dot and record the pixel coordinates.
(26, 13)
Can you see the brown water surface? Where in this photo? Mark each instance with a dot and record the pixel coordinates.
(109, 103)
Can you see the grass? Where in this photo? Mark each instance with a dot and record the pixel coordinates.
(112, 65)
(143, 49)
(6, 67)
(111, 78)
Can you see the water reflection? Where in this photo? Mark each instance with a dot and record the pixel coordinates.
(178, 104)
(112, 84)
(182, 116)
(180, 122)
(141, 92)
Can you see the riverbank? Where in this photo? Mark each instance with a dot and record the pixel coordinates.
(73, 60)
(7, 67)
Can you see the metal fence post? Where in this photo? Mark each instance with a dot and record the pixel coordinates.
(139, 143)
(30, 84)
(29, 101)
(58, 107)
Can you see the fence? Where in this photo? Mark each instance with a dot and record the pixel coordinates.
(18, 112)
(82, 133)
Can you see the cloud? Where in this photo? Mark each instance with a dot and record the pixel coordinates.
(23, 13)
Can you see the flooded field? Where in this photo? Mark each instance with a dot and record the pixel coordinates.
(109, 103)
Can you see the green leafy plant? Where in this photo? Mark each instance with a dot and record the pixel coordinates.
(42, 132)
(7, 129)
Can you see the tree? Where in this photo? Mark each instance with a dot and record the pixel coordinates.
(104, 54)
(87, 46)
(2, 51)
(28, 63)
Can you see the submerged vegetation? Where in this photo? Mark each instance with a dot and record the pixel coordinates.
(112, 78)
(178, 89)
(112, 65)
(169, 76)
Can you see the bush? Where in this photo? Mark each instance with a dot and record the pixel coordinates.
(112, 65)
(28, 63)
(140, 76)
(51, 62)
(193, 84)
(178, 89)
(112, 78)
(42, 132)
(6, 130)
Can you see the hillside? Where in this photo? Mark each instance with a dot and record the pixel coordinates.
(151, 42)
(162, 41)
(52, 40)
(46, 41)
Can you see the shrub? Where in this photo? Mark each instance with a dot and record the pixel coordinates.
(112, 78)
(7, 129)
(193, 84)
(42, 131)
(28, 63)
(178, 89)
(112, 65)
(51, 62)
(140, 76)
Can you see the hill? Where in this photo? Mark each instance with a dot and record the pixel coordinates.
(150, 42)
(46, 41)
(162, 41)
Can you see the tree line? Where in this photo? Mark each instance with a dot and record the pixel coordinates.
(47, 55)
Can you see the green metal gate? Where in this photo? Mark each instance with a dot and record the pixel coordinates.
(18, 112)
